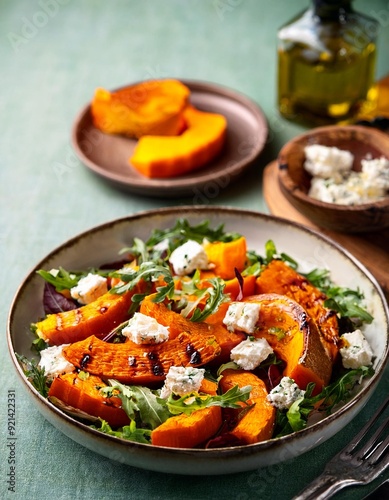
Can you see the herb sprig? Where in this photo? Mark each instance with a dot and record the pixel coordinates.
(35, 375)
(183, 231)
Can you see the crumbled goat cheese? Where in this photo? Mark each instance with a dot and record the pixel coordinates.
(89, 288)
(54, 362)
(344, 186)
(143, 329)
(250, 353)
(285, 394)
(182, 380)
(377, 172)
(325, 162)
(188, 257)
(242, 316)
(356, 351)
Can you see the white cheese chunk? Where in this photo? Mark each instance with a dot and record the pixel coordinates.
(285, 394)
(242, 316)
(376, 172)
(54, 362)
(349, 192)
(250, 353)
(182, 380)
(356, 351)
(335, 182)
(325, 162)
(188, 257)
(89, 288)
(143, 329)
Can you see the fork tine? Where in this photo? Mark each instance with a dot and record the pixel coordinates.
(373, 444)
(379, 451)
(360, 465)
(349, 449)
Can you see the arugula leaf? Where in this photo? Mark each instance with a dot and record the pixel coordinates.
(183, 231)
(215, 297)
(60, 278)
(257, 262)
(297, 417)
(129, 432)
(341, 389)
(320, 278)
(345, 301)
(149, 272)
(138, 250)
(190, 402)
(38, 344)
(270, 251)
(35, 375)
(140, 403)
(231, 365)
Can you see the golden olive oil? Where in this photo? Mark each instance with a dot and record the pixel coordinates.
(326, 64)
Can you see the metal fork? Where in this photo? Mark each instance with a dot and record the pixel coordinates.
(359, 463)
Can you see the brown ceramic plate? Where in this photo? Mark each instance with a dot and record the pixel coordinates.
(107, 155)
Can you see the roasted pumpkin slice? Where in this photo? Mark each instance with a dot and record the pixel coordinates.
(82, 393)
(164, 157)
(257, 423)
(188, 431)
(226, 256)
(295, 338)
(149, 107)
(178, 323)
(280, 278)
(141, 364)
(97, 318)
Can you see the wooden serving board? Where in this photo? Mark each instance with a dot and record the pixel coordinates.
(372, 249)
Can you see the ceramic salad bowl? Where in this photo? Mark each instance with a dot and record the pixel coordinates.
(101, 244)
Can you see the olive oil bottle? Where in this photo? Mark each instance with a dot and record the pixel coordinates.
(326, 63)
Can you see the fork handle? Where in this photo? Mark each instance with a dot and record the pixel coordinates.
(323, 487)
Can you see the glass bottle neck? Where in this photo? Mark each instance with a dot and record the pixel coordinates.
(331, 9)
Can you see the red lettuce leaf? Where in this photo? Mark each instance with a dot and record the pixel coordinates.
(54, 302)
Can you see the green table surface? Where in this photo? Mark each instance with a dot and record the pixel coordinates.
(53, 54)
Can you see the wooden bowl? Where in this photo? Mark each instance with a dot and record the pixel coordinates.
(295, 181)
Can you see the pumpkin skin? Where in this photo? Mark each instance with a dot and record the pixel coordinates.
(295, 338)
(280, 278)
(150, 107)
(165, 157)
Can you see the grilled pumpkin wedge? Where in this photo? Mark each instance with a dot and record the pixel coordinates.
(295, 338)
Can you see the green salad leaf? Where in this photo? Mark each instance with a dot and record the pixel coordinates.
(183, 231)
(346, 302)
(190, 402)
(35, 375)
(60, 278)
(140, 403)
(129, 432)
(213, 296)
